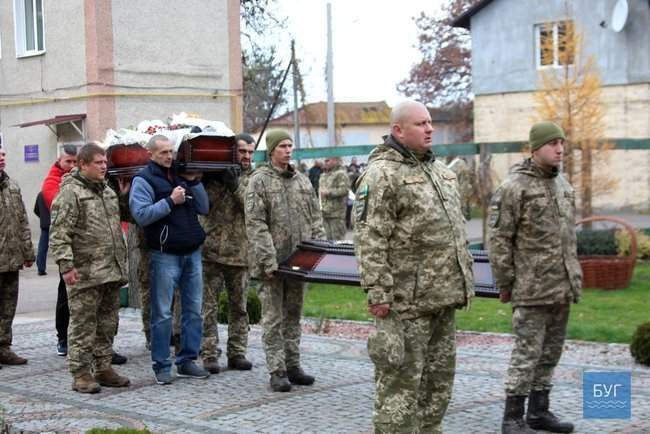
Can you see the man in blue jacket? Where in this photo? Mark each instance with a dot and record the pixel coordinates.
(167, 205)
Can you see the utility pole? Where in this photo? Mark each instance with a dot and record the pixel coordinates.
(331, 123)
(296, 119)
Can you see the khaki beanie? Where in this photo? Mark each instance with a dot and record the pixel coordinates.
(273, 137)
(543, 132)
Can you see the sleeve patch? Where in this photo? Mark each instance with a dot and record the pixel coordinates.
(361, 203)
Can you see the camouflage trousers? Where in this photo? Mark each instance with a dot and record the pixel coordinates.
(281, 310)
(93, 323)
(334, 228)
(413, 389)
(8, 302)
(145, 299)
(235, 280)
(539, 338)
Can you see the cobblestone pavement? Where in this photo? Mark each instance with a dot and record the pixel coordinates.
(37, 397)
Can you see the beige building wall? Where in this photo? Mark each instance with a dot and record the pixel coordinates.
(508, 117)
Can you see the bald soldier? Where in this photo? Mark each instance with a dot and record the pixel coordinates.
(416, 268)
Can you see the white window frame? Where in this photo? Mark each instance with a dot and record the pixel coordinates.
(538, 44)
(20, 30)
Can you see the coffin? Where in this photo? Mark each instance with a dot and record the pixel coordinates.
(126, 160)
(334, 262)
(207, 153)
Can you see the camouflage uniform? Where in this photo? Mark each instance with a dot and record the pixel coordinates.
(86, 234)
(225, 263)
(16, 242)
(334, 186)
(464, 176)
(412, 249)
(532, 248)
(281, 211)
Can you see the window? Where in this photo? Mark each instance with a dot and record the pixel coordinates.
(28, 17)
(554, 44)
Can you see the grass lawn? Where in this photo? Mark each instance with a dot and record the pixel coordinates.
(601, 316)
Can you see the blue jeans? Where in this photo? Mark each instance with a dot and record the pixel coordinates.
(41, 256)
(166, 272)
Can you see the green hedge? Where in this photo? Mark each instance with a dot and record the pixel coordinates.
(597, 242)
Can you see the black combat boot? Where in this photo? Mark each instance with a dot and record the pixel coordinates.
(513, 417)
(539, 416)
(279, 382)
(297, 376)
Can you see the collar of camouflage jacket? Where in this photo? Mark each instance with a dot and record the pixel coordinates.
(4, 180)
(528, 167)
(391, 142)
(289, 173)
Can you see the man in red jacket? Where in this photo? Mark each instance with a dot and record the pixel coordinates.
(49, 190)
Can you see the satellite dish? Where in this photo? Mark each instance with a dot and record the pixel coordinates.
(619, 15)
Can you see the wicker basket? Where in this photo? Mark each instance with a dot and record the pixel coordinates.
(605, 271)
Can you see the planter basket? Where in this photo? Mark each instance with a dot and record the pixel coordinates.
(606, 271)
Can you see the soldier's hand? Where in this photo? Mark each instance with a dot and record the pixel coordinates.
(125, 185)
(178, 195)
(505, 297)
(379, 310)
(71, 277)
(28, 264)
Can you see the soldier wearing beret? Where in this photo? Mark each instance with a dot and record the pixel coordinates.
(281, 211)
(533, 253)
(16, 252)
(416, 268)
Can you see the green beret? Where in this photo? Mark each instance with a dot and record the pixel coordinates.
(543, 132)
(273, 137)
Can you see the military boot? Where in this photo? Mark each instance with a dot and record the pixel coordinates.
(297, 376)
(513, 417)
(109, 378)
(540, 417)
(239, 363)
(211, 364)
(279, 382)
(8, 357)
(85, 383)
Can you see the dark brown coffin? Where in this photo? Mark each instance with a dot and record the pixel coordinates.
(208, 153)
(126, 160)
(332, 262)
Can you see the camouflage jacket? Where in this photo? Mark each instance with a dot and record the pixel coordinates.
(532, 239)
(281, 210)
(86, 233)
(463, 175)
(409, 233)
(224, 225)
(15, 238)
(334, 186)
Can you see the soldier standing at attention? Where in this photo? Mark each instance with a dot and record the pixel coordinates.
(17, 252)
(533, 252)
(225, 260)
(86, 240)
(334, 186)
(416, 268)
(281, 211)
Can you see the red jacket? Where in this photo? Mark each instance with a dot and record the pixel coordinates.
(52, 183)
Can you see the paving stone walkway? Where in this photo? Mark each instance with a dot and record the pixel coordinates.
(37, 397)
